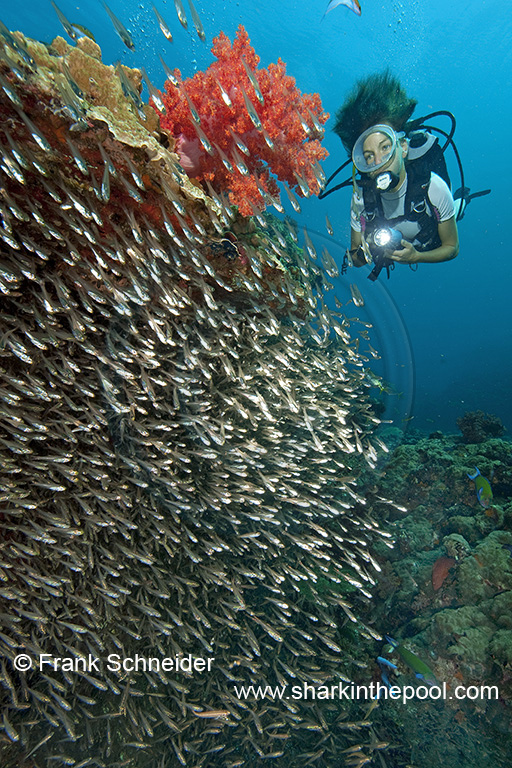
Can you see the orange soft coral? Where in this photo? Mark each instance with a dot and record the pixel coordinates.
(282, 138)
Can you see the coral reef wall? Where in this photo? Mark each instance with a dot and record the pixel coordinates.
(180, 428)
(445, 591)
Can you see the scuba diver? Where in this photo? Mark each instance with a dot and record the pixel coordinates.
(402, 208)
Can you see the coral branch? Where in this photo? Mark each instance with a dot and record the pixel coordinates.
(279, 128)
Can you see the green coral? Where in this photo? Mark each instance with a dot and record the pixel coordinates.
(471, 586)
(451, 622)
(456, 546)
(414, 535)
(473, 646)
(495, 559)
(465, 526)
(501, 646)
(501, 610)
(465, 632)
(507, 516)
(433, 451)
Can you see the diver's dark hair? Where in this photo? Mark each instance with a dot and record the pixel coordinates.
(378, 98)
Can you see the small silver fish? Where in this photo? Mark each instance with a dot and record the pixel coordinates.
(135, 173)
(16, 46)
(225, 98)
(10, 93)
(82, 31)
(329, 264)
(181, 13)
(169, 73)
(106, 159)
(318, 127)
(68, 27)
(305, 126)
(309, 245)
(163, 25)
(356, 295)
(77, 157)
(254, 82)
(251, 110)
(239, 163)
(303, 184)
(120, 28)
(293, 200)
(35, 132)
(193, 111)
(268, 140)
(153, 93)
(204, 140)
(71, 82)
(238, 141)
(224, 158)
(130, 92)
(9, 729)
(105, 184)
(197, 22)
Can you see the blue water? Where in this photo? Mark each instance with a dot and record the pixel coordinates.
(451, 319)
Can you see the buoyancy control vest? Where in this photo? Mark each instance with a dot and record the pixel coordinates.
(424, 158)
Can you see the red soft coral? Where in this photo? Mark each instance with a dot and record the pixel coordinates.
(290, 121)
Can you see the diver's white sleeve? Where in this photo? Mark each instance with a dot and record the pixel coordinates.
(441, 198)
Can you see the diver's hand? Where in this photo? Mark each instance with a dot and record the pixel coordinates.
(408, 255)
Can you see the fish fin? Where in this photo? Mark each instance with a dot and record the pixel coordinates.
(391, 641)
(383, 662)
(472, 477)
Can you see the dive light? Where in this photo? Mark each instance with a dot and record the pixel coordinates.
(388, 239)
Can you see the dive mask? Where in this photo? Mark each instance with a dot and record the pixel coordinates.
(363, 158)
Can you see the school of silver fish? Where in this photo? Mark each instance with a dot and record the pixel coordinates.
(178, 450)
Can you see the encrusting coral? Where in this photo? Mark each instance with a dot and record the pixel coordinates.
(477, 426)
(446, 592)
(232, 105)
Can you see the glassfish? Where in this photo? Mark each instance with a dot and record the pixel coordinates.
(120, 28)
(197, 22)
(65, 23)
(181, 13)
(163, 25)
(352, 4)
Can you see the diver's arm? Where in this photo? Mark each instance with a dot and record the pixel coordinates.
(448, 249)
(356, 252)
